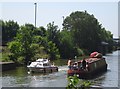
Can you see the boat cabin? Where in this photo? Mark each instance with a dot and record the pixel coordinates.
(42, 65)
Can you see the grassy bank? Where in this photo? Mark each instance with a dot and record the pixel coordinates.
(4, 54)
(4, 57)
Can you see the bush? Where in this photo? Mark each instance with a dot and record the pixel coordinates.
(75, 83)
(20, 60)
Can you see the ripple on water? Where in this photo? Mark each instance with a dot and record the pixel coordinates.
(19, 77)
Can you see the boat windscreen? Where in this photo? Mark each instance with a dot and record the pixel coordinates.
(46, 64)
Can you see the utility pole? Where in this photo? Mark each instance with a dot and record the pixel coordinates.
(35, 12)
(63, 18)
(63, 21)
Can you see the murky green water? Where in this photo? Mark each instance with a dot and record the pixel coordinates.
(20, 77)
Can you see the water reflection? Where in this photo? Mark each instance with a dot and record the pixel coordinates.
(20, 77)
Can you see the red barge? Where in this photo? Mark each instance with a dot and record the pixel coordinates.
(94, 66)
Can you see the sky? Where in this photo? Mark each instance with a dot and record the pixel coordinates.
(47, 12)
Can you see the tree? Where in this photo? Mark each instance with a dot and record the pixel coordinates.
(53, 33)
(25, 47)
(53, 38)
(15, 49)
(9, 30)
(41, 31)
(67, 46)
(85, 29)
(53, 51)
(107, 36)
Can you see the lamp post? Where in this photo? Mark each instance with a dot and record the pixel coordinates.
(35, 12)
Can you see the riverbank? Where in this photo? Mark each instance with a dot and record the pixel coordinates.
(4, 66)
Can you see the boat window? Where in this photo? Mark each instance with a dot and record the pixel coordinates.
(40, 64)
(45, 64)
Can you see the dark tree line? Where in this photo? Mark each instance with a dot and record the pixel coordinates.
(9, 30)
(87, 32)
(81, 34)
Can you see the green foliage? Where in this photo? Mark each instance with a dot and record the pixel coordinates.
(80, 52)
(51, 42)
(60, 62)
(20, 59)
(15, 49)
(80, 23)
(38, 52)
(67, 45)
(107, 36)
(52, 51)
(75, 83)
(25, 47)
(4, 55)
(41, 31)
(81, 35)
(30, 45)
(9, 30)
(52, 32)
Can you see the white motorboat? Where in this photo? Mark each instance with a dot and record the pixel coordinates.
(43, 66)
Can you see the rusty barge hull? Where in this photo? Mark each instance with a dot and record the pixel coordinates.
(95, 68)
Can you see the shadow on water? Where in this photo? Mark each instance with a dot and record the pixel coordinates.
(19, 71)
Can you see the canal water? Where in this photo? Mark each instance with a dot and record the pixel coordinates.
(21, 78)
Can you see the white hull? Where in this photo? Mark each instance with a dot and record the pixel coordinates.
(43, 70)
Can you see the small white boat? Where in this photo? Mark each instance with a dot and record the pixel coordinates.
(43, 66)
